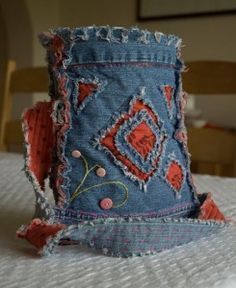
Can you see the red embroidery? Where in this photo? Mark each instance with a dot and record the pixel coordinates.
(85, 90)
(142, 139)
(175, 175)
(108, 141)
(168, 90)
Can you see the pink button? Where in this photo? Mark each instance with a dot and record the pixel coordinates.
(101, 172)
(106, 203)
(76, 153)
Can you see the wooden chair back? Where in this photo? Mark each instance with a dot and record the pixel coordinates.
(213, 150)
(27, 81)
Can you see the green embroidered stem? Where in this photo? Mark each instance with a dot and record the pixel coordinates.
(77, 193)
(87, 171)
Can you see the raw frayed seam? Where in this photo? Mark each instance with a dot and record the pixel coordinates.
(62, 123)
(111, 34)
(143, 64)
(73, 215)
(88, 170)
(60, 43)
(124, 131)
(43, 208)
(173, 159)
(69, 37)
(67, 232)
(38, 232)
(100, 85)
(96, 141)
(181, 100)
(169, 105)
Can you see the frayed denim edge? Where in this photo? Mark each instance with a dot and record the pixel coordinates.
(172, 158)
(100, 87)
(42, 207)
(95, 142)
(62, 166)
(52, 242)
(112, 34)
(182, 128)
(131, 123)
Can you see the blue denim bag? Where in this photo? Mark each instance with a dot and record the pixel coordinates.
(113, 142)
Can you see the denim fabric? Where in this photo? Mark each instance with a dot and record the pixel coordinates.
(122, 67)
(114, 142)
(124, 238)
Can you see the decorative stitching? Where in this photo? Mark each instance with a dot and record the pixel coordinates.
(61, 214)
(85, 91)
(39, 232)
(95, 232)
(70, 37)
(113, 34)
(88, 170)
(59, 179)
(105, 141)
(168, 94)
(145, 144)
(147, 163)
(174, 174)
(143, 64)
(43, 209)
(181, 135)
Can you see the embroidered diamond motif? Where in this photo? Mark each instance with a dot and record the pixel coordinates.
(135, 140)
(124, 146)
(142, 139)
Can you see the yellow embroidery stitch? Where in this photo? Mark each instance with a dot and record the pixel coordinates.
(78, 190)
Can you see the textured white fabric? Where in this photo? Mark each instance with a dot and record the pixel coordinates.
(206, 263)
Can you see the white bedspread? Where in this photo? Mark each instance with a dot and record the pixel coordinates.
(206, 263)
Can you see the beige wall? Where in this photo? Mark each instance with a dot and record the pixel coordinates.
(211, 38)
(204, 37)
(16, 43)
(3, 54)
(102, 12)
(44, 14)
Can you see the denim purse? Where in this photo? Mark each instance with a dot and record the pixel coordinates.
(113, 143)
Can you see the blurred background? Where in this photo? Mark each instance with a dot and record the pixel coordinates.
(206, 37)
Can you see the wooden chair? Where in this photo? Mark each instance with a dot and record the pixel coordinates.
(25, 80)
(213, 150)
